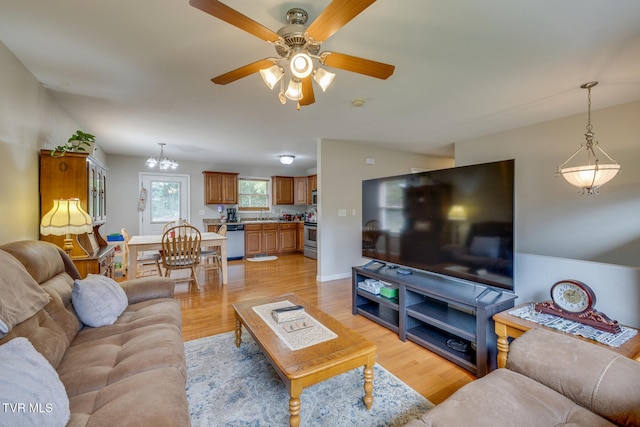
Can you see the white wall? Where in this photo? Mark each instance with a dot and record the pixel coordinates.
(29, 121)
(341, 169)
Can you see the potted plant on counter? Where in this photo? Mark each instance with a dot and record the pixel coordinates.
(78, 142)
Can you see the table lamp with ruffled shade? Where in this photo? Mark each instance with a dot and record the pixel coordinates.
(66, 218)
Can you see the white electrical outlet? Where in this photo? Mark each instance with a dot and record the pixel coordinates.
(201, 212)
(353, 212)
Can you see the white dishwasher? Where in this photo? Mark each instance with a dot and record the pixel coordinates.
(235, 241)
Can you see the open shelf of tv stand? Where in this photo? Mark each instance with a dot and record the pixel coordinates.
(432, 309)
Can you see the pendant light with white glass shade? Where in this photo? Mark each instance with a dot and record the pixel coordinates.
(591, 176)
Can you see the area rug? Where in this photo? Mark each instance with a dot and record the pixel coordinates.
(262, 258)
(229, 386)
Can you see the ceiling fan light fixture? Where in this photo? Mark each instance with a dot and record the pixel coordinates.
(272, 75)
(287, 159)
(301, 65)
(323, 78)
(297, 47)
(294, 90)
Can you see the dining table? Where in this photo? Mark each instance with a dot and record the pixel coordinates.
(153, 242)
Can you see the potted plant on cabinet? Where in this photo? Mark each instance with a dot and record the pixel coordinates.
(76, 143)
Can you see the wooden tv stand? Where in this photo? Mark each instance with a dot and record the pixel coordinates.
(432, 310)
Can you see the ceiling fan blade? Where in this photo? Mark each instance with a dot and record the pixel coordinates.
(308, 97)
(357, 65)
(335, 16)
(241, 72)
(235, 18)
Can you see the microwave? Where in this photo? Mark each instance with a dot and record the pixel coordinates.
(314, 197)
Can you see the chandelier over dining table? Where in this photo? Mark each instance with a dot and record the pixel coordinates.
(161, 160)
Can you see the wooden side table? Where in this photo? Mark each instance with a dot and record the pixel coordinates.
(508, 326)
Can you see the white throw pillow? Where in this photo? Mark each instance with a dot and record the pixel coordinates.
(98, 300)
(31, 392)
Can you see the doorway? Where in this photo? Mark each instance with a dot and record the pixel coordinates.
(168, 199)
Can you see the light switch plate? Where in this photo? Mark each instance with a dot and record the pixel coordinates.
(342, 212)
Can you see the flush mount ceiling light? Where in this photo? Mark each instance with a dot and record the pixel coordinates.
(593, 175)
(298, 47)
(287, 159)
(162, 161)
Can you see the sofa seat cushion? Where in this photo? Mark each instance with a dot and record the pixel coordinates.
(135, 316)
(128, 368)
(154, 398)
(92, 365)
(506, 398)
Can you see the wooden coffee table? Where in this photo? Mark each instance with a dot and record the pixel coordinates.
(303, 368)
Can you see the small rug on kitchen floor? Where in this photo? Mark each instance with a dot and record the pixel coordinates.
(262, 258)
(229, 386)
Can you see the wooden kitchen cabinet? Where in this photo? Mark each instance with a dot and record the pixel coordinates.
(261, 239)
(220, 188)
(312, 184)
(288, 237)
(270, 238)
(252, 240)
(300, 193)
(300, 238)
(282, 190)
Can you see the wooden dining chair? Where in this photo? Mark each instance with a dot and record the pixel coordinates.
(181, 250)
(170, 224)
(210, 259)
(144, 259)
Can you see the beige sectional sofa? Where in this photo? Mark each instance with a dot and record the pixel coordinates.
(129, 373)
(550, 379)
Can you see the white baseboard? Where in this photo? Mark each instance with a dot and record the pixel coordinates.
(333, 277)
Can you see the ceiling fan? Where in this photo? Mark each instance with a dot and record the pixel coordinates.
(297, 46)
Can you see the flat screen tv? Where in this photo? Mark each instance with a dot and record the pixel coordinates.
(457, 222)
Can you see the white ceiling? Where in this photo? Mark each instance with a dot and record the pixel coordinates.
(137, 72)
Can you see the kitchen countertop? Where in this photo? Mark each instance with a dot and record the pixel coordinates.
(208, 221)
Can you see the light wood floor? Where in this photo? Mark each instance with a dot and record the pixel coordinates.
(207, 311)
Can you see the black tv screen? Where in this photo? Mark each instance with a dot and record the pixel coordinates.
(457, 222)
